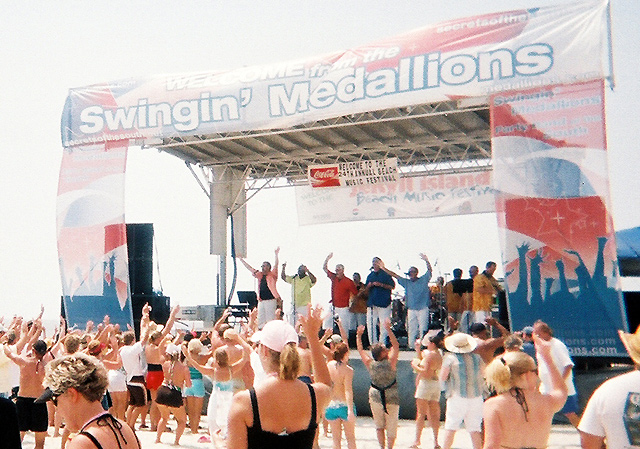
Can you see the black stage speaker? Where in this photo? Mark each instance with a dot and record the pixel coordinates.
(160, 309)
(140, 250)
(248, 297)
(632, 304)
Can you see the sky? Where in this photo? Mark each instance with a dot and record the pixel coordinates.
(46, 49)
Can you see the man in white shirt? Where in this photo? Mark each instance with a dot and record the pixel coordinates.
(562, 360)
(135, 365)
(613, 412)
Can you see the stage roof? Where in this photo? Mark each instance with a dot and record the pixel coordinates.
(443, 136)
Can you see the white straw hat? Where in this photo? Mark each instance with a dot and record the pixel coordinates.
(632, 343)
(460, 343)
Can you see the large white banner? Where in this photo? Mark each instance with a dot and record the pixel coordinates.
(411, 197)
(466, 57)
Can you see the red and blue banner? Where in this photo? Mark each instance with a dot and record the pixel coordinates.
(552, 197)
(92, 239)
(548, 139)
(467, 57)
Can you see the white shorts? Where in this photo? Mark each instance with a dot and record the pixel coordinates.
(467, 410)
(428, 389)
(117, 381)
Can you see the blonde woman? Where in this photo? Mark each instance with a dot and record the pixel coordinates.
(282, 411)
(194, 395)
(520, 416)
(221, 374)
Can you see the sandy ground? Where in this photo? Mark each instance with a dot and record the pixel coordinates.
(562, 436)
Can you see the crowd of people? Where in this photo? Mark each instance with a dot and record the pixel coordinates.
(280, 381)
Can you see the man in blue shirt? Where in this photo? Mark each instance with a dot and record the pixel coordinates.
(379, 285)
(417, 298)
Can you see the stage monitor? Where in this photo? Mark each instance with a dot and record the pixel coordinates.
(249, 298)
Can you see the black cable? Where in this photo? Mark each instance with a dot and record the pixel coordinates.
(235, 264)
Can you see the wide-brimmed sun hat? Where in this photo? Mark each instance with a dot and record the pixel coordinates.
(460, 343)
(632, 343)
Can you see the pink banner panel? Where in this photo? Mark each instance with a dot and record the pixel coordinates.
(92, 235)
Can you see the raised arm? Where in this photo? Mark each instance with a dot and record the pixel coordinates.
(171, 321)
(327, 333)
(34, 332)
(112, 359)
(366, 359)
(247, 266)
(14, 357)
(325, 265)
(145, 322)
(276, 261)
(25, 335)
(39, 317)
(491, 321)
(394, 353)
(388, 271)
(283, 275)
(246, 353)
(223, 319)
(558, 393)
(311, 326)
(424, 257)
(311, 276)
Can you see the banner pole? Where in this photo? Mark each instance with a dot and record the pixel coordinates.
(612, 81)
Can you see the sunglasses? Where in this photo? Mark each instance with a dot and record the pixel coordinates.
(55, 396)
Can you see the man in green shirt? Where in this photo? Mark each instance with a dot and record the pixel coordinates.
(301, 284)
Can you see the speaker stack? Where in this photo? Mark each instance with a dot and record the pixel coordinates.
(140, 253)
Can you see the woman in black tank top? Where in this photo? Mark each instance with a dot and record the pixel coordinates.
(282, 412)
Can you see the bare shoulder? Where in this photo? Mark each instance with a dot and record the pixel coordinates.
(105, 436)
(493, 405)
(80, 442)
(431, 355)
(241, 400)
(241, 411)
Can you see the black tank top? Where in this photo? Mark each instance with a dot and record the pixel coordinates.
(261, 439)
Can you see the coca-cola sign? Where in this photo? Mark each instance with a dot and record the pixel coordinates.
(325, 176)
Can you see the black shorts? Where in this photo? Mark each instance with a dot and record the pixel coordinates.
(33, 417)
(137, 391)
(169, 396)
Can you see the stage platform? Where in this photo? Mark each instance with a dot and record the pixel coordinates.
(586, 382)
